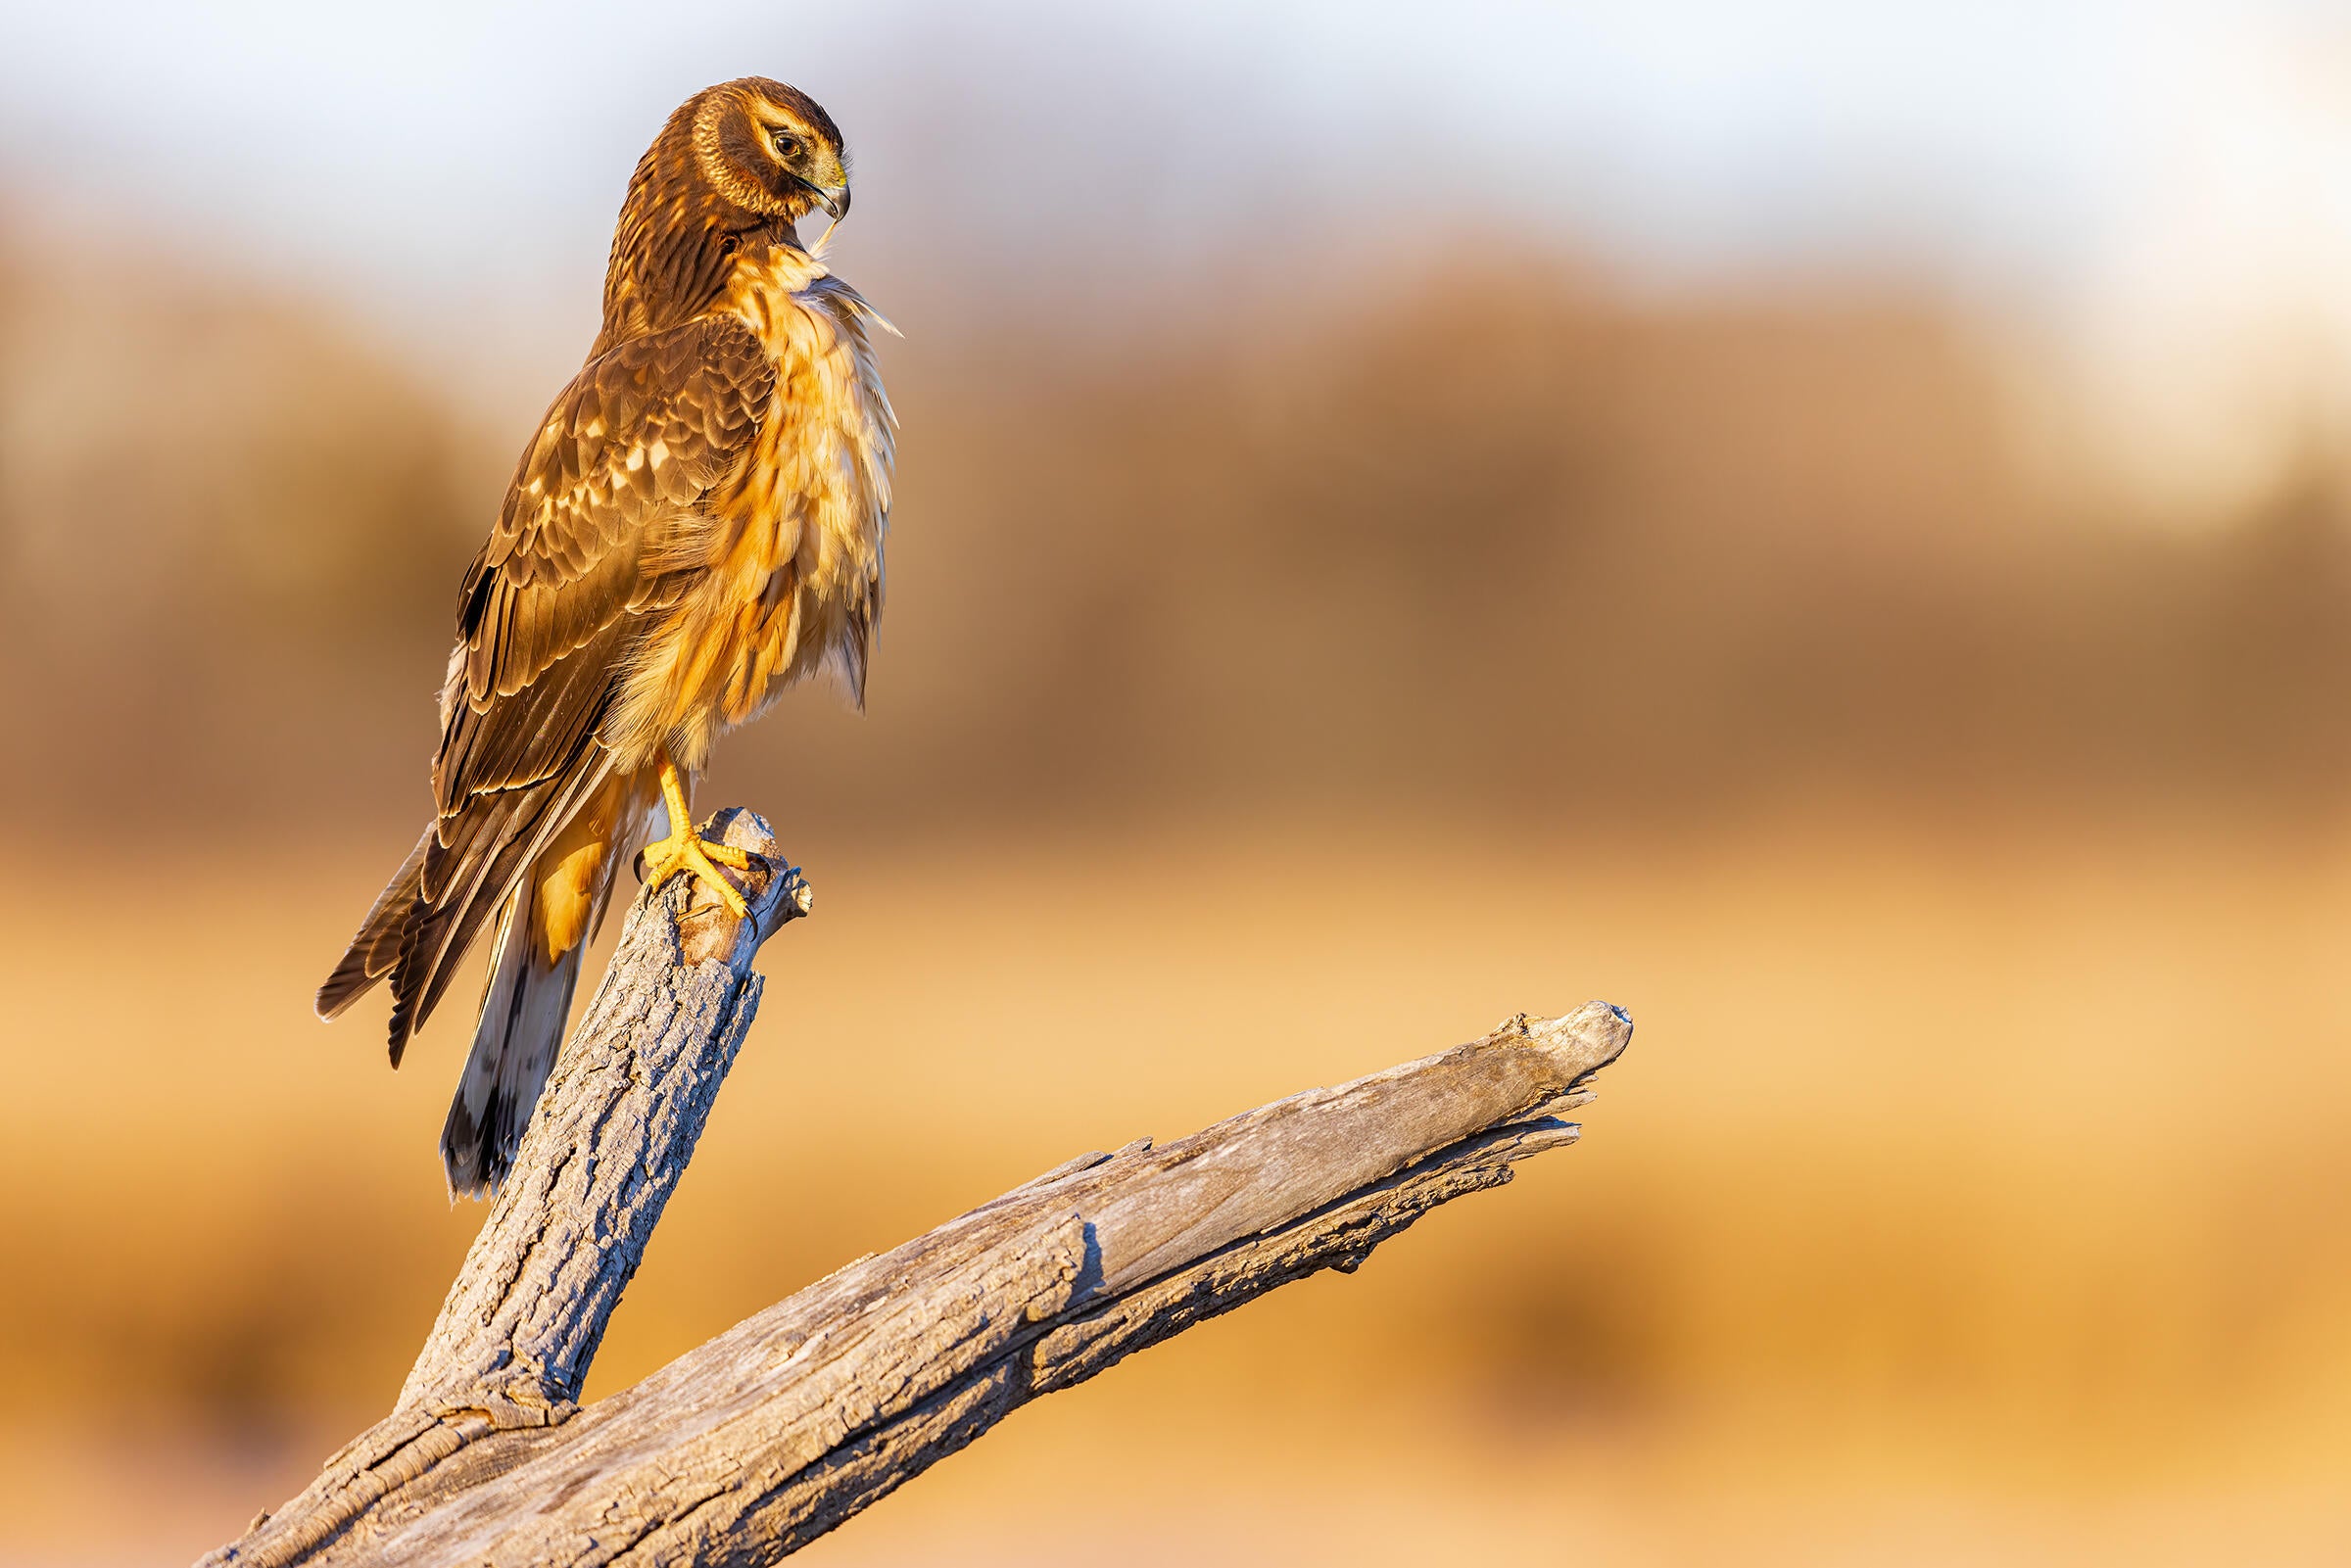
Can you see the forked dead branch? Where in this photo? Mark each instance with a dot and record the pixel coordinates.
(775, 1432)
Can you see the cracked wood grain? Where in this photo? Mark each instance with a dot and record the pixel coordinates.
(777, 1430)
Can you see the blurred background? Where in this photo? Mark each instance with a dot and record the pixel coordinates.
(1822, 523)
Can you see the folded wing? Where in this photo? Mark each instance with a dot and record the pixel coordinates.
(576, 574)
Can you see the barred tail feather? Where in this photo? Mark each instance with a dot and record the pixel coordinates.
(514, 1046)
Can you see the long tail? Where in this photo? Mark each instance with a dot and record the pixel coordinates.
(463, 870)
(514, 1045)
(541, 860)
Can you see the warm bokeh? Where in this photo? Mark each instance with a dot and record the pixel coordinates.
(1273, 686)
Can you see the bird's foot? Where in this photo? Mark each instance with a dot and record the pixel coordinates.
(688, 851)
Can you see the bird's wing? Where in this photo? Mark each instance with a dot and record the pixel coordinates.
(632, 443)
(568, 582)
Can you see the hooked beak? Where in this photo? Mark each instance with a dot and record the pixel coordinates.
(834, 198)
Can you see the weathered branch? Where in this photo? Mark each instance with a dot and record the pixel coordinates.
(749, 1447)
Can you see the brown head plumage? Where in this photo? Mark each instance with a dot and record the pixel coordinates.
(745, 158)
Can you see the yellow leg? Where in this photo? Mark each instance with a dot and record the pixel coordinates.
(685, 850)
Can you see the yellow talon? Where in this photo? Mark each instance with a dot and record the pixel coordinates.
(685, 850)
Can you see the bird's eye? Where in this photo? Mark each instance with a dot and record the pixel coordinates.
(786, 143)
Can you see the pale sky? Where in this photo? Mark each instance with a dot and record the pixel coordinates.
(2163, 188)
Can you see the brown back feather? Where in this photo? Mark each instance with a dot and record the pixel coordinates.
(547, 619)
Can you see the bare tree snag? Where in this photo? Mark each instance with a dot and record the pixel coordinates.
(750, 1447)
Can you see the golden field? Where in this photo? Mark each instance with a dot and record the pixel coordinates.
(1971, 1197)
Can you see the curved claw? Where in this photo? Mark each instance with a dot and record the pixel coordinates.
(687, 851)
(684, 851)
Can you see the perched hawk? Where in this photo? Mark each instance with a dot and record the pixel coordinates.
(697, 524)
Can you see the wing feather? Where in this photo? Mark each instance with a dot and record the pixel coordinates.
(566, 563)
(550, 612)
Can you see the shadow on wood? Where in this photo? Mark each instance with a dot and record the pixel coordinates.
(797, 1418)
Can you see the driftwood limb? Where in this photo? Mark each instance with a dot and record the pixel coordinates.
(779, 1429)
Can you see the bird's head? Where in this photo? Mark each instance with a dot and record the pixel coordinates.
(770, 150)
(744, 160)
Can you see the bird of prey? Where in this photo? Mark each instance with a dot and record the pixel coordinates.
(697, 524)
